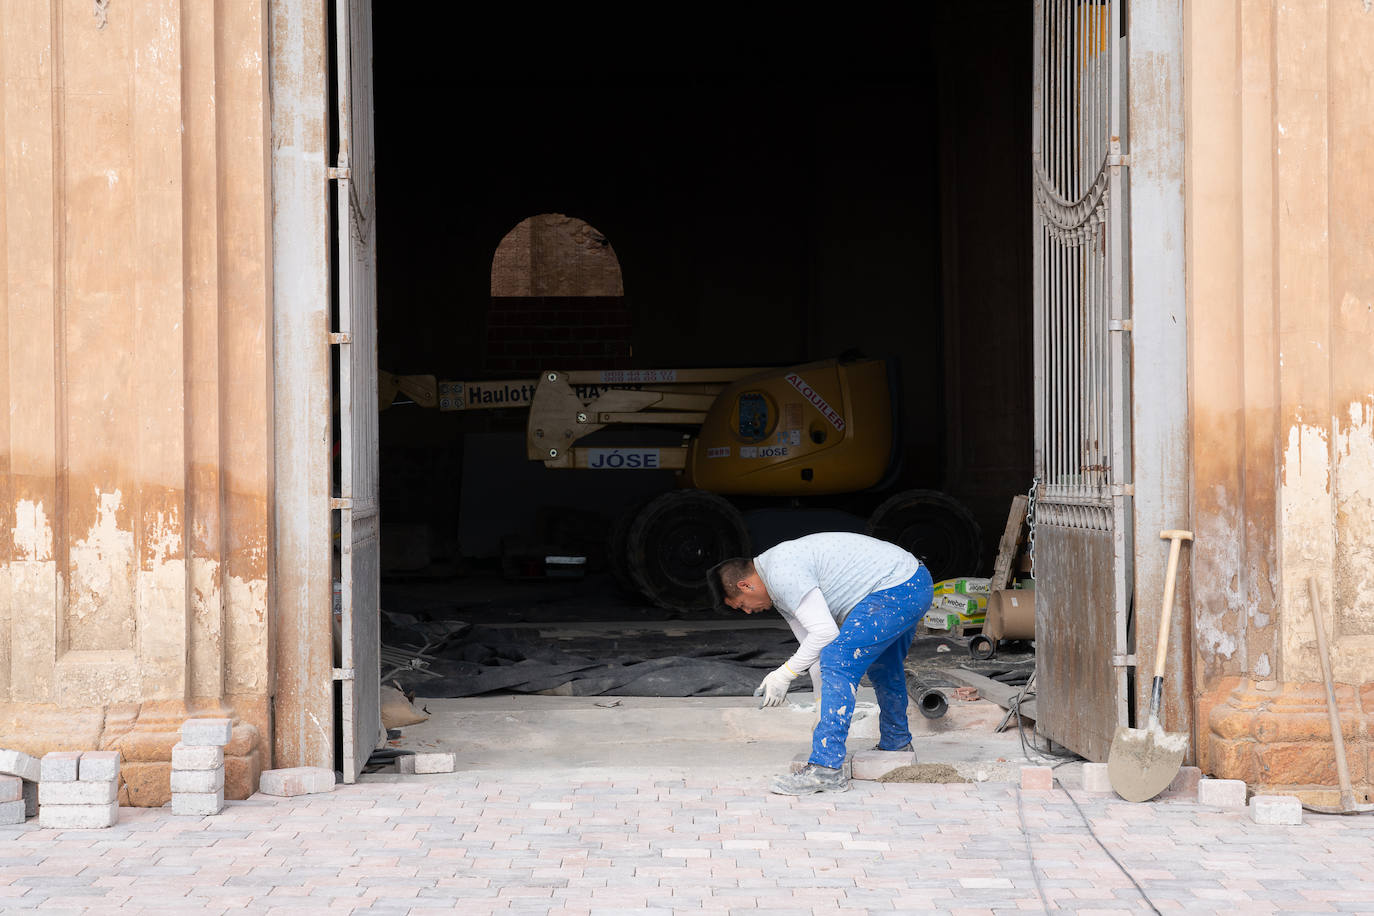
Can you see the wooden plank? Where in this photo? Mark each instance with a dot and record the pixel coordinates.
(988, 689)
(1011, 539)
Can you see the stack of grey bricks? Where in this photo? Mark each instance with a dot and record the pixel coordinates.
(19, 775)
(198, 767)
(78, 789)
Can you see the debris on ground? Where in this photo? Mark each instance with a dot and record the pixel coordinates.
(924, 772)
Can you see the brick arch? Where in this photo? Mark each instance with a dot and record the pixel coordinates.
(557, 299)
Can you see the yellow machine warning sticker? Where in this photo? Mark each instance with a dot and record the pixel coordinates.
(818, 402)
(720, 451)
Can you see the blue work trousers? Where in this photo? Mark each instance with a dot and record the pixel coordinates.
(874, 639)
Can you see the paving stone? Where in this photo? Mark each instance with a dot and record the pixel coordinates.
(98, 766)
(206, 732)
(405, 764)
(1095, 778)
(59, 766)
(197, 781)
(197, 804)
(77, 793)
(11, 813)
(293, 781)
(11, 789)
(1276, 809)
(77, 817)
(1037, 779)
(1221, 793)
(185, 757)
(17, 763)
(436, 762)
(877, 764)
(1183, 786)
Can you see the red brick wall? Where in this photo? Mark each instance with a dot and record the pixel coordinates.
(557, 299)
(528, 333)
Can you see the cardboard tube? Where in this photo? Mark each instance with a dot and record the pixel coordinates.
(1011, 614)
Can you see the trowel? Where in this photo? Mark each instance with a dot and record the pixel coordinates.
(1143, 761)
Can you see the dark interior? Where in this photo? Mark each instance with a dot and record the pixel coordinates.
(771, 199)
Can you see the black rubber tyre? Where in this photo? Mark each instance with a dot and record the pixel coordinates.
(934, 527)
(676, 539)
(618, 550)
(982, 648)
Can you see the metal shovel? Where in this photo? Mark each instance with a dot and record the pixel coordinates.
(1143, 761)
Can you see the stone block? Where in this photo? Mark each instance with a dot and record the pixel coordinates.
(206, 732)
(11, 789)
(197, 781)
(405, 764)
(59, 766)
(1184, 785)
(1095, 778)
(77, 793)
(296, 781)
(30, 798)
(12, 813)
(98, 766)
(17, 763)
(1221, 793)
(197, 804)
(185, 757)
(1037, 779)
(1276, 809)
(877, 764)
(78, 817)
(436, 762)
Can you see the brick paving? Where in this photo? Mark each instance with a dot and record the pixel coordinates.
(433, 844)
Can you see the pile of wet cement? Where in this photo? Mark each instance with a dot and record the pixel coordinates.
(924, 772)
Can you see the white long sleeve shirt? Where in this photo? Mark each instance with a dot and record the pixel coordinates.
(815, 581)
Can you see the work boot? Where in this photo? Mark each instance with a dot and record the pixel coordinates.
(894, 750)
(811, 778)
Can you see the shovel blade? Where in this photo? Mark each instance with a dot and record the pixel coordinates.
(1143, 761)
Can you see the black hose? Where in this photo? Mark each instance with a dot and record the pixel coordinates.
(932, 703)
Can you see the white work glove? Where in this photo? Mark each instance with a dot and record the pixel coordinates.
(774, 687)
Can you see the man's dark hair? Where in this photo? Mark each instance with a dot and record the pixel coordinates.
(724, 575)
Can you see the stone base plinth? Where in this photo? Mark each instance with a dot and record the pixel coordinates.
(144, 734)
(1276, 737)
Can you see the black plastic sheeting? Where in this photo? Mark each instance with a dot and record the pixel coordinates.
(463, 660)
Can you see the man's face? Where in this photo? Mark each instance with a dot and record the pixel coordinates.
(752, 596)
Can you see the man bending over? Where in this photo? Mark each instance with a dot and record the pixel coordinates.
(853, 602)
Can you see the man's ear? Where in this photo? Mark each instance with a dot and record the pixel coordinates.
(743, 586)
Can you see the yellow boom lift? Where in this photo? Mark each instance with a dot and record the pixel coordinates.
(818, 429)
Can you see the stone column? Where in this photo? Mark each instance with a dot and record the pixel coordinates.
(134, 246)
(1280, 191)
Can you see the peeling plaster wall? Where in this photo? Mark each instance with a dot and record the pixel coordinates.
(135, 314)
(1280, 204)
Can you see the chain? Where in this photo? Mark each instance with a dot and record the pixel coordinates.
(102, 16)
(1030, 523)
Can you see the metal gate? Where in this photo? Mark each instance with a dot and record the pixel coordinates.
(360, 565)
(1082, 547)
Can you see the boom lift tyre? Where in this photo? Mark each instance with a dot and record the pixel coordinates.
(933, 527)
(676, 539)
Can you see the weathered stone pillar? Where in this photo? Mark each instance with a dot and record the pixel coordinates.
(1280, 197)
(135, 584)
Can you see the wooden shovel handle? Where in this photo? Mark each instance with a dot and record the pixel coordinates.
(1176, 537)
